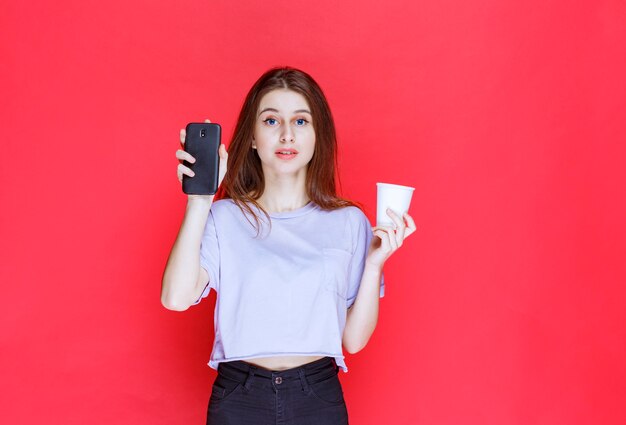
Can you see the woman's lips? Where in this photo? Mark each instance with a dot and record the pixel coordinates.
(287, 154)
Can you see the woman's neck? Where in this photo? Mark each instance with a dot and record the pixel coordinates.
(283, 194)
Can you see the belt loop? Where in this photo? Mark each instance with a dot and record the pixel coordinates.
(248, 383)
(303, 381)
(334, 364)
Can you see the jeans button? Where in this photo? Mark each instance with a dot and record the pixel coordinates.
(278, 380)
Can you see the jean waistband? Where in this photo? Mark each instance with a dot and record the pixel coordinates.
(308, 373)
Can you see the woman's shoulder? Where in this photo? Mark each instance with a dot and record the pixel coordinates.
(223, 203)
(223, 207)
(351, 213)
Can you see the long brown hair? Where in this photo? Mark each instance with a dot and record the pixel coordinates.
(244, 182)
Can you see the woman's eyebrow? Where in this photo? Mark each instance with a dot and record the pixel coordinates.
(268, 109)
(299, 111)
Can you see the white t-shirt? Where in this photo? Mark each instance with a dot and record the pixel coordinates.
(287, 290)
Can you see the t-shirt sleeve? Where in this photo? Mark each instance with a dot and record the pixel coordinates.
(361, 239)
(209, 256)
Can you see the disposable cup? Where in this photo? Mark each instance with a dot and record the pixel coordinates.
(392, 196)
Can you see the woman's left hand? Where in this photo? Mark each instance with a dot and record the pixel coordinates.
(388, 239)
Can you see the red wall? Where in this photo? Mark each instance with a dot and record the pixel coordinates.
(506, 307)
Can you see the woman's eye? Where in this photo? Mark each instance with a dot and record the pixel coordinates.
(270, 121)
(301, 121)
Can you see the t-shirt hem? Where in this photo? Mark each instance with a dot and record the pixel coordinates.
(339, 358)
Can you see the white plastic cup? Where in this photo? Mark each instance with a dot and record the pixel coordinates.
(392, 196)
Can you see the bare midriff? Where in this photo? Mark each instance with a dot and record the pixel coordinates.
(282, 362)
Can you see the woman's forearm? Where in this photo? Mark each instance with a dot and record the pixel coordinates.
(182, 271)
(363, 315)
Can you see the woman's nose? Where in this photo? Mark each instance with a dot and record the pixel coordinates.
(287, 135)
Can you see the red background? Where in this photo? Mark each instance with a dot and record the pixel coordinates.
(506, 307)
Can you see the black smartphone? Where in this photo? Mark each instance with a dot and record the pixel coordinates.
(202, 141)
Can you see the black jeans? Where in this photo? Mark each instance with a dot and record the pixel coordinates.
(310, 394)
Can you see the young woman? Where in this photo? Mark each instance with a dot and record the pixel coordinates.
(296, 268)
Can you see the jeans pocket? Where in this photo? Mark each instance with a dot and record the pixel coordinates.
(223, 388)
(329, 390)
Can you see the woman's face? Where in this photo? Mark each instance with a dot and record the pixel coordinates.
(284, 136)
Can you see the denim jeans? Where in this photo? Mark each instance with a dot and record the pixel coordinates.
(309, 394)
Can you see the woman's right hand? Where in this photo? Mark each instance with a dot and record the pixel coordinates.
(181, 155)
